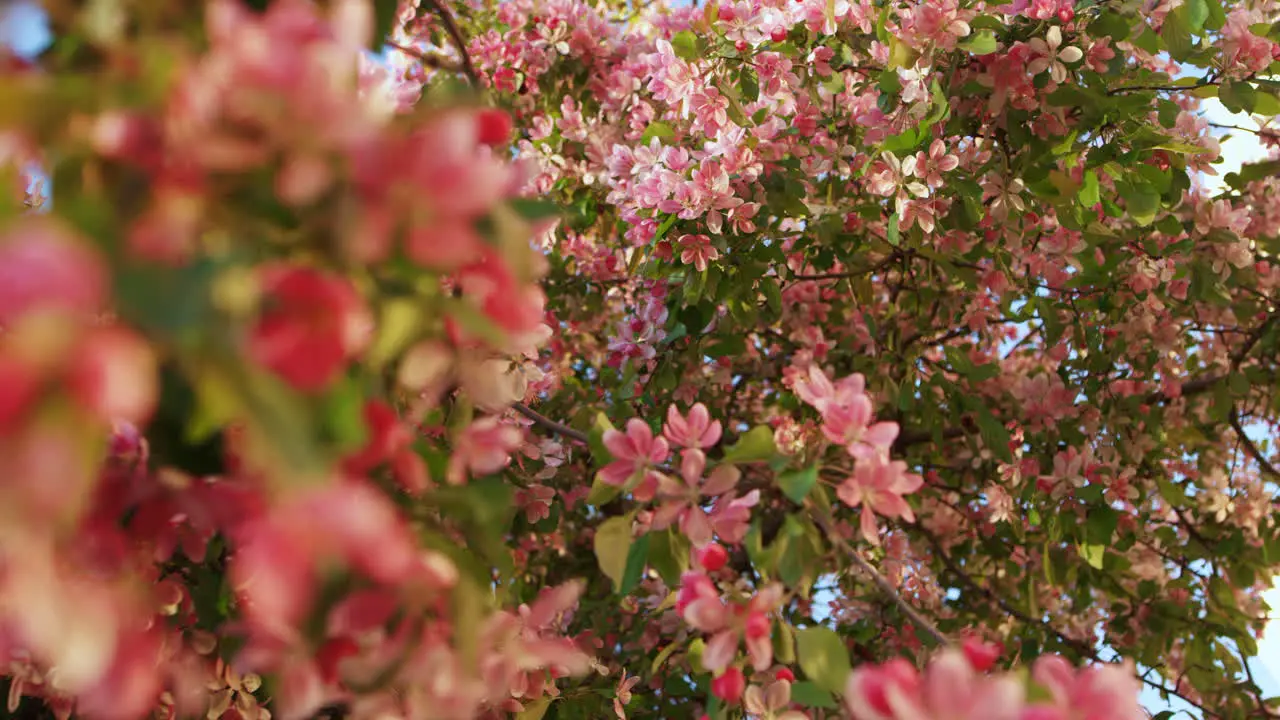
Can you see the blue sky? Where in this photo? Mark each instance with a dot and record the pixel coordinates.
(23, 27)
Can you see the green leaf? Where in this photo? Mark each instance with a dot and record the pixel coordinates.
(1109, 24)
(1093, 554)
(893, 234)
(656, 130)
(534, 710)
(384, 16)
(1089, 192)
(982, 42)
(1238, 97)
(661, 232)
(602, 493)
(823, 657)
(342, 416)
(613, 548)
(1176, 33)
(1196, 12)
(534, 208)
(1141, 201)
(637, 560)
(1217, 16)
(1101, 525)
(663, 655)
(754, 446)
(600, 455)
(669, 555)
(748, 84)
(685, 45)
(164, 300)
(994, 435)
(796, 484)
(810, 695)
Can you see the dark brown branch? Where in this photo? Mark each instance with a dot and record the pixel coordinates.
(1162, 88)
(455, 34)
(434, 61)
(548, 424)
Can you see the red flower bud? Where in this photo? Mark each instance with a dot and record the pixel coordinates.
(493, 126)
(729, 686)
(982, 655)
(713, 557)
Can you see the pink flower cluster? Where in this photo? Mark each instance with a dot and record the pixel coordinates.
(877, 484)
(638, 458)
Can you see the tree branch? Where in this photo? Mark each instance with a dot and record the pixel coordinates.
(455, 34)
(1251, 449)
(881, 582)
(427, 59)
(547, 423)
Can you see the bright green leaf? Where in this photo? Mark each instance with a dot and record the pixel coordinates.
(1093, 554)
(797, 483)
(808, 694)
(685, 45)
(1089, 191)
(982, 42)
(755, 445)
(656, 129)
(613, 547)
(823, 657)
(1196, 13)
(1176, 33)
(669, 555)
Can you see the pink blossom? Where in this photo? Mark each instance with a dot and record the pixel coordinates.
(483, 447)
(731, 516)
(850, 424)
(682, 502)
(696, 250)
(949, 688)
(1097, 691)
(635, 452)
(878, 486)
(696, 430)
(930, 166)
(702, 607)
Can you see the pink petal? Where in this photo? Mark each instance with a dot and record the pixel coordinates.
(870, 531)
(723, 479)
(882, 434)
(707, 614)
(697, 527)
(619, 445)
(720, 651)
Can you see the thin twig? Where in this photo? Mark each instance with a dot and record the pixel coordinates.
(881, 581)
(1247, 443)
(434, 61)
(455, 34)
(548, 424)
